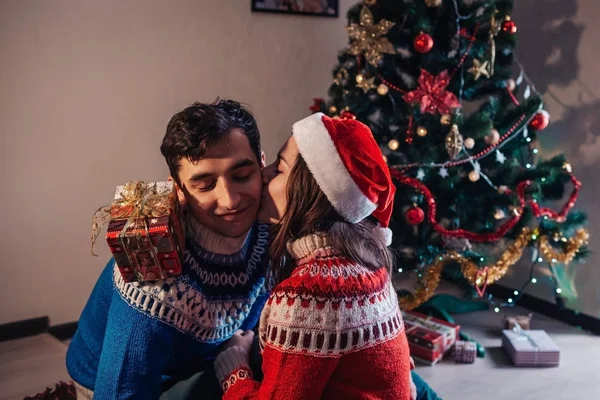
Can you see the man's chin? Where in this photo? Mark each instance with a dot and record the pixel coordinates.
(235, 230)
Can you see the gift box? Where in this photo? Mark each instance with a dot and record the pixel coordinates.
(145, 233)
(465, 351)
(524, 322)
(533, 348)
(429, 338)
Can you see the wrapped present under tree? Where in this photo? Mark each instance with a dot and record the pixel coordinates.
(532, 348)
(429, 338)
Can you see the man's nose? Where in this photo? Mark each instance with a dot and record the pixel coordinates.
(228, 196)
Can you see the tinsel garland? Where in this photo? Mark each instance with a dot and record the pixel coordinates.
(430, 279)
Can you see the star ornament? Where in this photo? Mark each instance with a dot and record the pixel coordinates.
(367, 84)
(479, 69)
(369, 38)
(431, 95)
(444, 172)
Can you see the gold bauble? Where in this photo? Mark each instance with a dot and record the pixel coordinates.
(474, 176)
(433, 3)
(469, 143)
(332, 110)
(359, 78)
(422, 131)
(493, 137)
(446, 119)
(385, 159)
(454, 142)
(499, 214)
(394, 144)
(382, 89)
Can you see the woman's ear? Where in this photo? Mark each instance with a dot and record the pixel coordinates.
(263, 159)
(179, 191)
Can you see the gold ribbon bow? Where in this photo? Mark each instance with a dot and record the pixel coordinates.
(136, 200)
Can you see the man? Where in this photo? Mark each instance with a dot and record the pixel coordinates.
(135, 340)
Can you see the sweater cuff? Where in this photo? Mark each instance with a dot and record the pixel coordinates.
(233, 359)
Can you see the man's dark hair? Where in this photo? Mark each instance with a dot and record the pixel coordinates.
(191, 131)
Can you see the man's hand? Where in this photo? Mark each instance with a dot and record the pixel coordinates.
(241, 339)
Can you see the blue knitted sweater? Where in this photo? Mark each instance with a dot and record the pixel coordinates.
(135, 340)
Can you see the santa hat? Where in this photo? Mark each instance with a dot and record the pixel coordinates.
(348, 166)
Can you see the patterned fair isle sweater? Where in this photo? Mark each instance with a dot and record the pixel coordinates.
(333, 330)
(135, 340)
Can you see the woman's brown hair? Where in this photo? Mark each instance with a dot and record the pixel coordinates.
(309, 212)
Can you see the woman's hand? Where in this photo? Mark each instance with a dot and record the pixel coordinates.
(241, 339)
(413, 387)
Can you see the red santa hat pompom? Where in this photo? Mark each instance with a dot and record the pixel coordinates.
(349, 168)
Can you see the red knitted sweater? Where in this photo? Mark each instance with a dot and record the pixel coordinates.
(332, 330)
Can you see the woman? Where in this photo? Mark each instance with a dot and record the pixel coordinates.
(332, 327)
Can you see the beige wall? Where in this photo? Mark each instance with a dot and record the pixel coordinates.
(86, 89)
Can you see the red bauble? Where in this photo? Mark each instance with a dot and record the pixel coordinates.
(414, 215)
(317, 105)
(540, 121)
(347, 115)
(509, 27)
(423, 43)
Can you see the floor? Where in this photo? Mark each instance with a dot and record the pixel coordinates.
(30, 364)
(494, 377)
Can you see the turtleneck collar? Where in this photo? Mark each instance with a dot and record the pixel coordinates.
(308, 245)
(212, 241)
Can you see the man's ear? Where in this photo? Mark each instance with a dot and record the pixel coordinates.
(263, 159)
(179, 191)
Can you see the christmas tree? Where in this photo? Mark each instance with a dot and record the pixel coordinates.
(457, 119)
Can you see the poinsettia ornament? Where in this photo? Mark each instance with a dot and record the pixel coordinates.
(431, 95)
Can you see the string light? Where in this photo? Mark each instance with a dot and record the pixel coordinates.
(528, 140)
(497, 309)
(559, 290)
(516, 292)
(540, 259)
(510, 300)
(533, 280)
(400, 270)
(535, 151)
(528, 165)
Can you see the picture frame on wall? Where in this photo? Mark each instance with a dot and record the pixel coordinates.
(320, 8)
